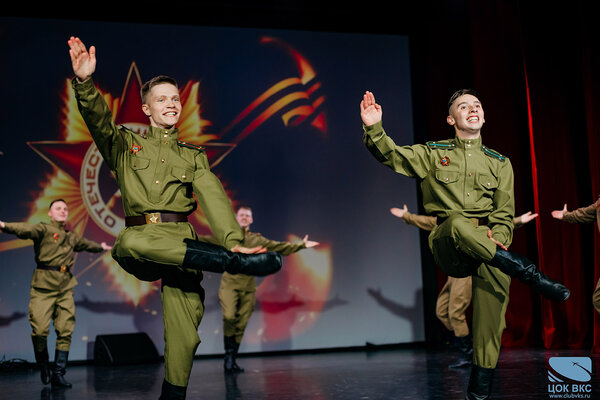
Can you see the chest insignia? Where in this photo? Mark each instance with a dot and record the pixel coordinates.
(55, 237)
(135, 148)
(445, 161)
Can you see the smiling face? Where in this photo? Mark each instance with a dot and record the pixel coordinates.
(59, 212)
(163, 106)
(466, 115)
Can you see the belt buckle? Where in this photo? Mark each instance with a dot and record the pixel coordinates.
(63, 268)
(153, 218)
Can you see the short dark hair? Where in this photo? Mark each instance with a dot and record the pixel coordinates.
(459, 93)
(157, 80)
(244, 208)
(56, 201)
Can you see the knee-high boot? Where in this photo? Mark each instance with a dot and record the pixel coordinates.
(59, 370)
(521, 268)
(43, 361)
(213, 258)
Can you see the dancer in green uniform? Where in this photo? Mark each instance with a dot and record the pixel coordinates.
(469, 188)
(158, 176)
(52, 284)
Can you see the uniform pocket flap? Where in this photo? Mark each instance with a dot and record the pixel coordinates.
(446, 176)
(488, 181)
(184, 175)
(139, 162)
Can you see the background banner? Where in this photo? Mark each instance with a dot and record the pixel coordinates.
(278, 112)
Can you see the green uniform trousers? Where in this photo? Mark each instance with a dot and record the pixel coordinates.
(461, 248)
(47, 305)
(452, 304)
(156, 251)
(237, 306)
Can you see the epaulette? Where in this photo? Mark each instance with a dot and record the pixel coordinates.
(493, 153)
(126, 129)
(441, 145)
(190, 145)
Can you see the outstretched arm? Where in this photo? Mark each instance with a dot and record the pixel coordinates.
(580, 215)
(84, 62)
(425, 222)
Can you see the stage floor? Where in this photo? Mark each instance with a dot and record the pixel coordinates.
(405, 373)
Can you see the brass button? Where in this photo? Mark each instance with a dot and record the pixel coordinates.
(469, 154)
(446, 179)
(183, 177)
(165, 142)
(470, 174)
(157, 182)
(166, 135)
(162, 161)
(488, 184)
(468, 194)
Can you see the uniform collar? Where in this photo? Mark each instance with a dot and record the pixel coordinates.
(56, 224)
(467, 144)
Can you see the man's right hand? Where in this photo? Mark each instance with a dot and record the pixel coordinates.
(2, 225)
(84, 63)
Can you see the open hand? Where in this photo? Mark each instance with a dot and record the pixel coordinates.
(309, 243)
(399, 212)
(559, 214)
(370, 111)
(84, 62)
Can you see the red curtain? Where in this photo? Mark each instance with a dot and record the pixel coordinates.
(537, 71)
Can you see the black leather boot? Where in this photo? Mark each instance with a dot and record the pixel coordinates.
(520, 267)
(43, 362)
(59, 370)
(480, 383)
(229, 364)
(213, 258)
(464, 346)
(236, 367)
(172, 392)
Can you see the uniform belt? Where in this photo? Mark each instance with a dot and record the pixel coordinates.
(475, 221)
(62, 268)
(155, 218)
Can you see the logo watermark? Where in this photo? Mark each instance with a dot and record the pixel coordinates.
(569, 377)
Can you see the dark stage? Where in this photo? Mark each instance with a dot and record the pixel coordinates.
(397, 373)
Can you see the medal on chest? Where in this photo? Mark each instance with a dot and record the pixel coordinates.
(135, 148)
(55, 236)
(445, 161)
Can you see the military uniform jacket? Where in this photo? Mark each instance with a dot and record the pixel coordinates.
(584, 214)
(457, 176)
(251, 239)
(53, 246)
(155, 171)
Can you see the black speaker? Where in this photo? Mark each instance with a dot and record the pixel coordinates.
(124, 348)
